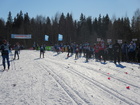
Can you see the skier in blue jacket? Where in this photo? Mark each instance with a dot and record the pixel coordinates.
(5, 54)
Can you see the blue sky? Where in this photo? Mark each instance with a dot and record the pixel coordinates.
(118, 8)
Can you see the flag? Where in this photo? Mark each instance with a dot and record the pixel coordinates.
(60, 37)
(46, 37)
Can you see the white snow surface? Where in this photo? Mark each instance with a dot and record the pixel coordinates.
(55, 80)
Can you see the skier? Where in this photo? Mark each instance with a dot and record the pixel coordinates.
(69, 50)
(5, 53)
(110, 54)
(76, 52)
(124, 48)
(96, 50)
(17, 48)
(87, 52)
(42, 51)
(101, 51)
(131, 51)
(80, 49)
(57, 48)
(138, 55)
(116, 51)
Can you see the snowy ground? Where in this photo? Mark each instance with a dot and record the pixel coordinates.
(55, 80)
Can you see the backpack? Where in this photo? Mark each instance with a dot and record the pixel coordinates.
(41, 49)
(131, 48)
(5, 49)
(77, 49)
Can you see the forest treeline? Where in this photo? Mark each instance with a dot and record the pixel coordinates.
(79, 31)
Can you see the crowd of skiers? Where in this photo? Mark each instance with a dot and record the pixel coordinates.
(126, 52)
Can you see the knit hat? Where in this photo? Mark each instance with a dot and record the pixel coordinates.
(4, 41)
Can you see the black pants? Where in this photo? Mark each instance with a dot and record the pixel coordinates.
(41, 53)
(87, 55)
(102, 53)
(76, 55)
(96, 55)
(16, 53)
(124, 57)
(116, 57)
(110, 54)
(131, 56)
(138, 56)
(3, 60)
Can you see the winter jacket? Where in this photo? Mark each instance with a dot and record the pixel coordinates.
(5, 49)
(96, 48)
(101, 46)
(131, 48)
(124, 48)
(17, 47)
(42, 49)
(116, 48)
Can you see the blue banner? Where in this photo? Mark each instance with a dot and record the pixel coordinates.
(60, 37)
(46, 37)
(21, 36)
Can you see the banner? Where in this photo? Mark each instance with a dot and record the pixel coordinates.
(21, 36)
(60, 37)
(48, 48)
(98, 39)
(109, 40)
(134, 39)
(120, 41)
(46, 38)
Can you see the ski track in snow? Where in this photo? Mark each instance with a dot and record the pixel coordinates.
(34, 86)
(100, 85)
(65, 86)
(54, 80)
(77, 99)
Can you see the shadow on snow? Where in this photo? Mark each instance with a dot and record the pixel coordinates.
(120, 65)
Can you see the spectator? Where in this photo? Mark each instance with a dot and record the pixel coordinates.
(124, 48)
(131, 51)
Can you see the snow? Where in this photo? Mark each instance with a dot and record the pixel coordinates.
(55, 80)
